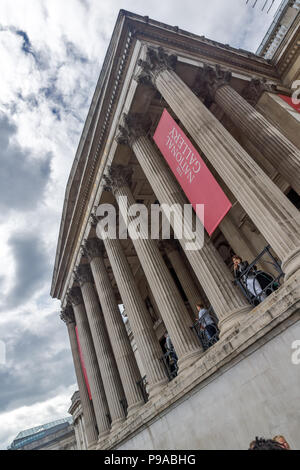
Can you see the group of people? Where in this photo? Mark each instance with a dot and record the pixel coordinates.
(256, 284)
(209, 334)
(277, 443)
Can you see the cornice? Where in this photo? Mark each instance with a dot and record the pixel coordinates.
(204, 49)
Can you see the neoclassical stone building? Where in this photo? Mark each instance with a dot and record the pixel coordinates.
(234, 107)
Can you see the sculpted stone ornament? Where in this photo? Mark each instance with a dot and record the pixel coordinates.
(67, 314)
(93, 248)
(209, 80)
(83, 274)
(134, 125)
(116, 177)
(157, 61)
(255, 88)
(94, 220)
(74, 296)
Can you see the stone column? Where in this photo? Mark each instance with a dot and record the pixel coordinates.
(91, 363)
(276, 147)
(236, 238)
(171, 306)
(106, 360)
(185, 278)
(214, 277)
(147, 344)
(67, 316)
(127, 366)
(273, 214)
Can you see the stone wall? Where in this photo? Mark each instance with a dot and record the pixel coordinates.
(258, 396)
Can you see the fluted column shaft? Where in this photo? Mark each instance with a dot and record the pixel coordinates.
(86, 403)
(187, 283)
(215, 278)
(171, 306)
(273, 214)
(127, 366)
(92, 369)
(138, 316)
(107, 364)
(277, 148)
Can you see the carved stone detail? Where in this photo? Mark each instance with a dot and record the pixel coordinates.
(255, 88)
(209, 79)
(92, 248)
(157, 61)
(134, 125)
(116, 177)
(74, 296)
(93, 220)
(67, 314)
(83, 274)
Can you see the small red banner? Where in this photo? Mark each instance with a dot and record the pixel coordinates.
(83, 366)
(289, 100)
(191, 172)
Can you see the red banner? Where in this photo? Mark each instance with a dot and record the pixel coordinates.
(191, 172)
(288, 100)
(83, 366)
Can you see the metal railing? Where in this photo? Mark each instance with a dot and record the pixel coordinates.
(256, 284)
(170, 360)
(142, 385)
(206, 339)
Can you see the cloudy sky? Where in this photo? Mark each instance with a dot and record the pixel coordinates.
(51, 53)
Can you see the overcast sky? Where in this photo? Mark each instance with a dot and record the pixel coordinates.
(51, 53)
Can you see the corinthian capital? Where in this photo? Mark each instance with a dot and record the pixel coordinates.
(117, 176)
(75, 296)
(209, 80)
(254, 89)
(157, 61)
(134, 125)
(93, 248)
(67, 314)
(83, 274)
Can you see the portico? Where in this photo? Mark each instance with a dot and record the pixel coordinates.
(151, 67)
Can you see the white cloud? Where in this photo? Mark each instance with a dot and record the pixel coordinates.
(31, 416)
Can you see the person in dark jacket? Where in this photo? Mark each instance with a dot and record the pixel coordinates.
(254, 281)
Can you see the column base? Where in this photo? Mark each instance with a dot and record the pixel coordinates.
(134, 408)
(155, 389)
(232, 320)
(291, 263)
(116, 423)
(103, 436)
(187, 360)
(92, 446)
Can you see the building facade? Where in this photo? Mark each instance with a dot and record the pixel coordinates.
(235, 107)
(78, 421)
(57, 435)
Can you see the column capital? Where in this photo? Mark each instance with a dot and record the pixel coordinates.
(94, 220)
(209, 80)
(117, 176)
(133, 126)
(255, 88)
(83, 274)
(157, 61)
(75, 296)
(92, 248)
(67, 314)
